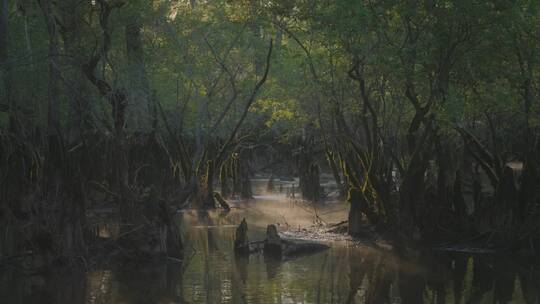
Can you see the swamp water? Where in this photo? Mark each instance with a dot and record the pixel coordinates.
(346, 273)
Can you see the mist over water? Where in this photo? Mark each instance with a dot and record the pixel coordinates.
(346, 273)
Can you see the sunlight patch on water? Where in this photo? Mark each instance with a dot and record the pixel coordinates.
(270, 197)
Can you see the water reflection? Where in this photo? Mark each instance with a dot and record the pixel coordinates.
(211, 273)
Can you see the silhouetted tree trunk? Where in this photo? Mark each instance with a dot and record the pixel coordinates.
(529, 191)
(117, 99)
(53, 158)
(141, 106)
(79, 117)
(309, 177)
(245, 182)
(205, 190)
(333, 162)
(61, 176)
(308, 170)
(4, 62)
(5, 241)
(224, 180)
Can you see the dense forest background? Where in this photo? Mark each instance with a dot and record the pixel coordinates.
(426, 113)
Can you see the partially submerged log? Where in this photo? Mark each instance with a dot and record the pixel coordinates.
(279, 248)
(273, 246)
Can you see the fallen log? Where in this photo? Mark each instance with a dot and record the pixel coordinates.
(279, 248)
(273, 246)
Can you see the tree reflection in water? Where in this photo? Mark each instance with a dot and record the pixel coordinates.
(347, 273)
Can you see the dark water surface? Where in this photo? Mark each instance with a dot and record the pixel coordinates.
(346, 273)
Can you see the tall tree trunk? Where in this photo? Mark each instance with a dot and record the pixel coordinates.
(53, 159)
(5, 64)
(141, 104)
(53, 106)
(412, 189)
(5, 240)
(118, 101)
(58, 168)
(76, 88)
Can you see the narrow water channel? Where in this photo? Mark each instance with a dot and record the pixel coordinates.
(346, 273)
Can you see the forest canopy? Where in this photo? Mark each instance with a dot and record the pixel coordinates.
(426, 113)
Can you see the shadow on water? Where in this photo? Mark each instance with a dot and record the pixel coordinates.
(346, 273)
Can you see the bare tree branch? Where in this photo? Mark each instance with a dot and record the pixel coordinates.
(250, 101)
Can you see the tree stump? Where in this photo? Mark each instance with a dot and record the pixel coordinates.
(270, 185)
(241, 241)
(272, 244)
